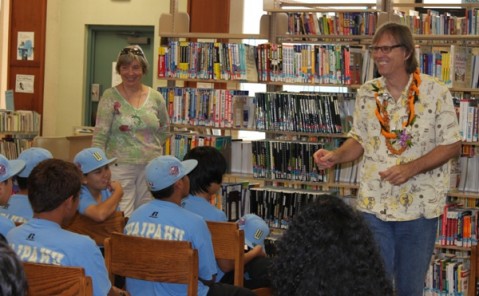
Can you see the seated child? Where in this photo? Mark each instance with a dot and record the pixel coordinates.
(8, 169)
(205, 181)
(99, 196)
(53, 192)
(163, 217)
(18, 208)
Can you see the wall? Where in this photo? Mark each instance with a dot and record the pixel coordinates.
(4, 10)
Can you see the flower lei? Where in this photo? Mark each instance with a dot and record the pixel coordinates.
(402, 137)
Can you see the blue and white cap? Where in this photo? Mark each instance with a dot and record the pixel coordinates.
(165, 170)
(90, 159)
(9, 168)
(32, 157)
(255, 230)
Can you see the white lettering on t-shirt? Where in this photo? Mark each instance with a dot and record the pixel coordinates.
(32, 254)
(153, 230)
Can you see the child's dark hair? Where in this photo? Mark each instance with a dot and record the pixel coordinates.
(163, 193)
(210, 169)
(22, 182)
(51, 182)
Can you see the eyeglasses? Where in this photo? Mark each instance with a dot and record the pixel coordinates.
(133, 50)
(383, 49)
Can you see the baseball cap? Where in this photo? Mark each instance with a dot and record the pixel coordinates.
(90, 159)
(165, 170)
(9, 168)
(255, 230)
(32, 157)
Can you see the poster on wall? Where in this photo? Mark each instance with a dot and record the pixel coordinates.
(24, 83)
(25, 46)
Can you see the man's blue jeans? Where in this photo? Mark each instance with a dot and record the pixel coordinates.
(406, 248)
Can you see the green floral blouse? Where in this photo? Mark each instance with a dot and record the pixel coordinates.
(133, 136)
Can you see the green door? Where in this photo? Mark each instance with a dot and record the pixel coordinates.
(104, 44)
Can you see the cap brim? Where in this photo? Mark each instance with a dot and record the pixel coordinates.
(16, 166)
(189, 165)
(101, 165)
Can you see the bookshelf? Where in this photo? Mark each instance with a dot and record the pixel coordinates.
(274, 27)
(18, 128)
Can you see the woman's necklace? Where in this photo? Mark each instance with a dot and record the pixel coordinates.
(401, 137)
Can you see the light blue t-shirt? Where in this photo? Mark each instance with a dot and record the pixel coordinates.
(166, 220)
(202, 207)
(44, 241)
(87, 199)
(5, 225)
(18, 208)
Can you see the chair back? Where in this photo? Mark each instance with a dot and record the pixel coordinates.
(47, 280)
(98, 231)
(228, 243)
(153, 260)
(58, 146)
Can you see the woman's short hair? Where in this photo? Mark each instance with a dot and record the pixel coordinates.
(129, 54)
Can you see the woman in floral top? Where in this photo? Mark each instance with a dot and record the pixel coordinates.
(131, 125)
(406, 129)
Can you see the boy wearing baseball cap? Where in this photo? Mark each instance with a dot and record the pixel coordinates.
(53, 190)
(164, 218)
(205, 181)
(8, 169)
(18, 208)
(99, 196)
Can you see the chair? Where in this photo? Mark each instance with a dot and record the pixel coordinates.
(98, 231)
(153, 260)
(228, 243)
(46, 280)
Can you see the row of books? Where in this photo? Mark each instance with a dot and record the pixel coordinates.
(311, 63)
(458, 226)
(180, 143)
(12, 147)
(286, 160)
(469, 171)
(339, 23)
(347, 172)
(432, 22)
(304, 112)
(234, 199)
(207, 60)
(20, 121)
(277, 206)
(468, 119)
(454, 65)
(209, 107)
(447, 275)
(242, 160)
